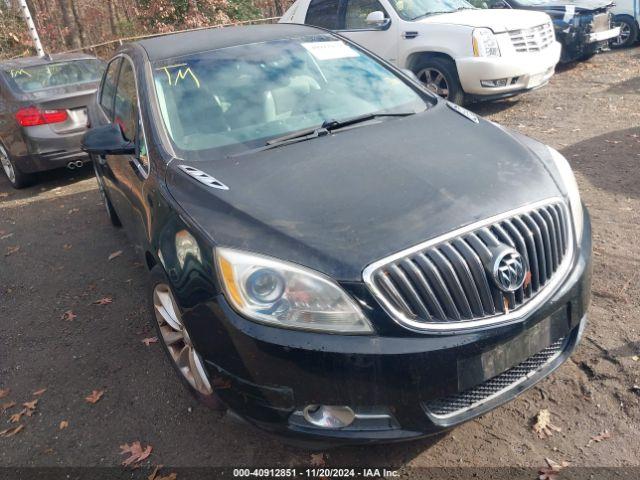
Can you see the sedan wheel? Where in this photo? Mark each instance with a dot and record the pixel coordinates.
(7, 165)
(434, 80)
(625, 33)
(628, 32)
(177, 341)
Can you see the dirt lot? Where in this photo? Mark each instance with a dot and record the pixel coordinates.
(590, 111)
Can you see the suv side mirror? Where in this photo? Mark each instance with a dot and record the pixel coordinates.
(377, 20)
(107, 140)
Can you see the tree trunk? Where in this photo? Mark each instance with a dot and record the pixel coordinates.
(77, 18)
(277, 4)
(72, 39)
(113, 18)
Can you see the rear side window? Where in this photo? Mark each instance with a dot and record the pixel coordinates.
(109, 87)
(323, 13)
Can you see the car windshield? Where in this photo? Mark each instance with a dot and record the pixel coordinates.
(415, 9)
(241, 97)
(60, 74)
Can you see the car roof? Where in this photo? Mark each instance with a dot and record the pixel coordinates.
(23, 62)
(184, 43)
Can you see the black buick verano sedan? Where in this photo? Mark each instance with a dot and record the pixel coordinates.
(336, 254)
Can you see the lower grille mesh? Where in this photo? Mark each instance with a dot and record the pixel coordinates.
(453, 404)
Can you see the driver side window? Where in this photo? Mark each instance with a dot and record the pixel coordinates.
(357, 11)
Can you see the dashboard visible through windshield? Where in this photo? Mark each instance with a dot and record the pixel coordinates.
(416, 9)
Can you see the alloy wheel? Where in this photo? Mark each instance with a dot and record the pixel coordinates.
(7, 165)
(625, 33)
(434, 80)
(176, 338)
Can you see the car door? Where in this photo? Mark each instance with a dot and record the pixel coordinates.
(129, 172)
(382, 39)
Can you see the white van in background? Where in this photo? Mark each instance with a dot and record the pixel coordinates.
(458, 51)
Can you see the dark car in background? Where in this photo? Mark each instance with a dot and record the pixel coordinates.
(583, 27)
(336, 253)
(43, 112)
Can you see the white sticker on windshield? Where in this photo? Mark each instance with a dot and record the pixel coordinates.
(330, 50)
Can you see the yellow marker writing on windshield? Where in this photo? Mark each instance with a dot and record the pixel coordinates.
(20, 72)
(181, 75)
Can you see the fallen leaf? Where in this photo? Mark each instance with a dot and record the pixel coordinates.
(73, 210)
(156, 469)
(150, 340)
(7, 406)
(103, 301)
(551, 470)
(171, 476)
(39, 392)
(4, 195)
(15, 418)
(10, 432)
(67, 246)
(527, 279)
(543, 426)
(69, 316)
(8, 235)
(506, 305)
(317, 460)
(12, 250)
(601, 436)
(136, 453)
(115, 254)
(63, 424)
(635, 358)
(94, 396)
(5, 392)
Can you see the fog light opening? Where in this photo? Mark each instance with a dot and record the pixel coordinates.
(327, 416)
(499, 82)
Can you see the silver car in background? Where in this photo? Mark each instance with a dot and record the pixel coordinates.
(43, 113)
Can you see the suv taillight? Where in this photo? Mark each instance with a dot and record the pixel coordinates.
(32, 116)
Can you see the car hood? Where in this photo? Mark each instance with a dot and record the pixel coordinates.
(581, 6)
(340, 202)
(495, 19)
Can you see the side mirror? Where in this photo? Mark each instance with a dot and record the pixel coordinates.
(107, 140)
(377, 20)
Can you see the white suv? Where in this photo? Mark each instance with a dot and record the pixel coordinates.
(458, 51)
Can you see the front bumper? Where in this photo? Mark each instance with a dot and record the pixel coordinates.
(43, 149)
(267, 375)
(523, 71)
(603, 35)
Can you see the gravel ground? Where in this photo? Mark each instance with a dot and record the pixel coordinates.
(590, 112)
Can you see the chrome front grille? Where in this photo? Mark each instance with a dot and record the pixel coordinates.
(446, 284)
(458, 403)
(533, 39)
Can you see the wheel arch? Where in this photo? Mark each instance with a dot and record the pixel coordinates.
(414, 59)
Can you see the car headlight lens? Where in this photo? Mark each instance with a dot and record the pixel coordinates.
(485, 43)
(569, 181)
(287, 295)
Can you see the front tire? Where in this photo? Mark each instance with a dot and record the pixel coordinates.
(440, 76)
(628, 32)
(17, 178)
(174, 336)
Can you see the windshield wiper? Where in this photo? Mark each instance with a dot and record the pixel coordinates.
(329, 126)
(314, 132)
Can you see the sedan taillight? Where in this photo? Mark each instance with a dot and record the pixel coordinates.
(32, 116)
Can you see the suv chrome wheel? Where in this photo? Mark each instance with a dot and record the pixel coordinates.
(176, 338)
(435, 81)
(625, 33)
(7, 165)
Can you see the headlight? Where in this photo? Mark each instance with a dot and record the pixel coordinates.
(286, 295)
(485, 43)
(569, 181)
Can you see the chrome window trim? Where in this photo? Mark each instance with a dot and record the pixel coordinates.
(425, 327)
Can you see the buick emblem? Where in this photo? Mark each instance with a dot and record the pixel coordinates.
(509, 269)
